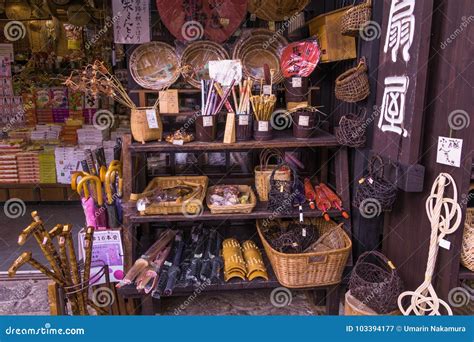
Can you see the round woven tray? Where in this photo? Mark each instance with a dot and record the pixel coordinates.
(154, 65)
(195, 59)
(258, 48)
(276, 10)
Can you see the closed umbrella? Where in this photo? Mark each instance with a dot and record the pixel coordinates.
(94, 210)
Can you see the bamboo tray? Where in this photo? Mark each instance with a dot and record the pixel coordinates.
(233, 209)
(192, 204)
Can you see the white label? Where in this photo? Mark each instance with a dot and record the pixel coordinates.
(167, 263)
(207, 121)
(303, 120)
(151, 118)
(141, 206)
(263, 126)
(243, 120)
(253, 17)
(267, 89)
(271, 25)
(296, 82)
(304, 232)
(445, 244)
(449, 151)
(178, 142)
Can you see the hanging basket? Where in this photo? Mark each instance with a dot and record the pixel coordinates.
(139, 126)
(467, 251)
(280, 197)
(375, 282)
(351, 130)
(264, 171)
(355, 18)
(353, 85)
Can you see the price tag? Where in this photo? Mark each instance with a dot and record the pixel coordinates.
(263, 126)
(207, 121)
(151, 118)
(271, 25)
(445, 244)
(178, 142)
(267, 89)
(303, 232)
(224, 21)
(296, 82)
(253, 17)
(303, 120)
(243, 120)
(141, 205)
(167, 263)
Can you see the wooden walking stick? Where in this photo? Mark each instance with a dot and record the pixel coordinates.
(65, 267)
(26, 258)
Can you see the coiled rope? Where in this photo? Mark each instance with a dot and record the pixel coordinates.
(445, 216)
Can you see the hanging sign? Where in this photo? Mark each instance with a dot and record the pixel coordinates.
(449, 151)
(132, 21)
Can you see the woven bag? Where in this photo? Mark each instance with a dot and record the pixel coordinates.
(281, 195)
(264, 171)
(353, 84)
(356, 18)
(375, 282)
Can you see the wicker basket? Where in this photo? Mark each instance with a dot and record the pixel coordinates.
(353, 84)
(271, 10)
(192, 204)
(354, 307)
(467, 251)
(355, 18)
(264, 171)
(233, 209)
(308, 269)
(139, 126)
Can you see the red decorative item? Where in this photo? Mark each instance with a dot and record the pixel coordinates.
(335, 199)
(190, 20)
(300, 58)
(322, 202)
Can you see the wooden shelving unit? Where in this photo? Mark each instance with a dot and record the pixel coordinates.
(135, 177)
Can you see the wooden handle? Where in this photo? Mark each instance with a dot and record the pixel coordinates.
(20, 261)
(25, 234)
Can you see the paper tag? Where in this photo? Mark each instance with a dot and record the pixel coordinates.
(253, 17)
(445, 244)
(370, 180)
(167, 263)
(151, 118)
(141, 206)
(296, 82)
(178, 142)
(224, 21)
(243, 120)
(267, 89)
(263, 126)
(271, 25)
(207, 121)
(449, 151)
(169, 101)
(303, 120)
(303, 232)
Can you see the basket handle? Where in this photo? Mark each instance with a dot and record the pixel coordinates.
(375, 167)
(265, 156)
(386, 261)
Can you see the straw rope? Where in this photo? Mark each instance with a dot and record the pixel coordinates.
(441, 211)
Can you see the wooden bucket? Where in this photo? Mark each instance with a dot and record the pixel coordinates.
(139, 125)
(296, 91)
(206, 128)
(262, 131)
(304, 124)
(243, 127)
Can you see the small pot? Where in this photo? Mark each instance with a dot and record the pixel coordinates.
(243, 127)
(305, 124)
(296, 89)
(206, 128)
(262, 130)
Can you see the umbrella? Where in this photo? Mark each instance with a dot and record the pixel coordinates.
(93, 209)
(322, 202)
(334, 199)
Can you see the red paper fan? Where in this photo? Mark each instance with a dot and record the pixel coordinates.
(300, 58)
(190, 20)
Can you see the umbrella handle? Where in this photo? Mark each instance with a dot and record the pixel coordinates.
(75, 176)
(98, 188)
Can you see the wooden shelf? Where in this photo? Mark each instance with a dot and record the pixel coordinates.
(281, 140)
(260, 212)
(465, 274)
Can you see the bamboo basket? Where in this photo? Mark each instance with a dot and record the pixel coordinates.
(354, 307)
(233, 209)
(139, 126)
(310, 269)
(271, 10)
(467, 250)
(192, 204)
(355, 18)
(353, 84)
(264, 171)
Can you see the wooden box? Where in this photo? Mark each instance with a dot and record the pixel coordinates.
(334, 46)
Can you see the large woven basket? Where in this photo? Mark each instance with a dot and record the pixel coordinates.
(192, 205)
(353, 84)
(195, 59)
(308, 269)
(141, 131)
(355, 18)
(276, 10)
(467, 251)
(233, 209)
(354, 307)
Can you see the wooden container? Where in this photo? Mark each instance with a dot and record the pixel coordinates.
(334, 46)
(243, 127)
(262, 131)
(296, 89)
(354, 307)
(305, 124)
(233, 209)
(310, 269)
(206, 128)
(139, 125)
(192, 204)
